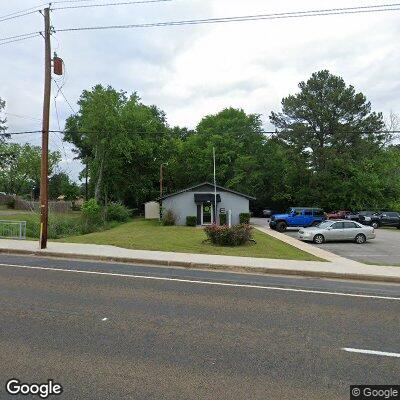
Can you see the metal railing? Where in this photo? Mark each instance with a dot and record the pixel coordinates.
(13, 230)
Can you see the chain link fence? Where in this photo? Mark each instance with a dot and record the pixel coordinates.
(13, 230)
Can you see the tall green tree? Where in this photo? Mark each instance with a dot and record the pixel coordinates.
(238, 140)
(20, 167)
(332, 136)
(122, 142)
(60, 184)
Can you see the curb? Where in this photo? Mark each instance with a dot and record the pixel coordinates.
(219, 267)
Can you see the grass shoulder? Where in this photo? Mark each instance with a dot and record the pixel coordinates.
(60, 224)
(141, 234)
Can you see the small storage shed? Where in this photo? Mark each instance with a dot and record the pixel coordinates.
(152, 210)
(199, 201)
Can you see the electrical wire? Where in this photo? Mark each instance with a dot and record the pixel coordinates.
(18, 40)
(62, 93)
(35, 8)
(32, 10)
(22, 116)
(299, 14)
(19, 36)
(122, 3)
(73, 1)
(59, 133)
(17, 16)
(18, 133)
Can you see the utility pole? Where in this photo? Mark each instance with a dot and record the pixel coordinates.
(44, 195)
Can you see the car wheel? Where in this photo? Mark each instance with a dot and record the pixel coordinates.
(315, 223)
(281, 226)
(360, 238)
(375, 225)
(319, 239)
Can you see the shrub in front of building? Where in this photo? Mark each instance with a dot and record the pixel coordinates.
(191, 220)
(222, 219)
(236, 235)
(244, 218)
(169, 218)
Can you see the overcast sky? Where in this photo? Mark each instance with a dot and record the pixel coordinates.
(191, 71)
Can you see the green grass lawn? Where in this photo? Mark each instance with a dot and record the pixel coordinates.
(150, 235)
(59, 224)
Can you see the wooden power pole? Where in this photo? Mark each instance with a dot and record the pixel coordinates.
(44, 179)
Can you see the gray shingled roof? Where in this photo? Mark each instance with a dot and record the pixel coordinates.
(208, 184)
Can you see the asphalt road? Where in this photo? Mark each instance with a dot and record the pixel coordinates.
(114, 331)
(384, 250)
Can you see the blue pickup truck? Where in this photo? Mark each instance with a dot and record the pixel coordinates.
(297, 217)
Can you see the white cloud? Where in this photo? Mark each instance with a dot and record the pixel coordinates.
(196, 70)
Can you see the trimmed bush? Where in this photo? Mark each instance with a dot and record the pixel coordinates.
(117, 212)
(222, 219)
(244, 218)
(169, 218)
(191, 221)
(236, 235)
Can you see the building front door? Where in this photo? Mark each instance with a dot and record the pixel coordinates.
(207, 214)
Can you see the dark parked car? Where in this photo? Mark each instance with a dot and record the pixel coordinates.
(267, 213)
(355, 216)
(385, 218)
(302, 217)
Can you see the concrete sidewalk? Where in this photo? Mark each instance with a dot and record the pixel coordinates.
(336, 268)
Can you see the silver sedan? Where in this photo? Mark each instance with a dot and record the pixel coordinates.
(337, 230)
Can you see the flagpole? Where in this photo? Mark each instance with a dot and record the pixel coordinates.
(215, 190)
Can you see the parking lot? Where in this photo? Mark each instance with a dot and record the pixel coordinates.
(384, 250)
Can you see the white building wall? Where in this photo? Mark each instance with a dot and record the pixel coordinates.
(183, 205)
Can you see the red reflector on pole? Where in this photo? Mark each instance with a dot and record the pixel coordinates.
(58, 65)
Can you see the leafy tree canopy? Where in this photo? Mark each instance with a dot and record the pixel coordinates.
(335, 143)
(20, 167)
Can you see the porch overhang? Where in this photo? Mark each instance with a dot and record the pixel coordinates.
(206, 198)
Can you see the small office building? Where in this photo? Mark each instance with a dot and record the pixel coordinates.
(199, 201)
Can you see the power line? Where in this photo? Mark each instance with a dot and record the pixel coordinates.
(36, 8)
(32, 10)
(22, 116)
(298, 14)
(265, 132)
(62, 93)
(122, 3)
(73, 1)
(17, 40)
(24, 10)
(17, 16)
(19, 36)
(18, 133)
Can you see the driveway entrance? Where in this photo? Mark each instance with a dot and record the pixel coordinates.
(384, 250)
